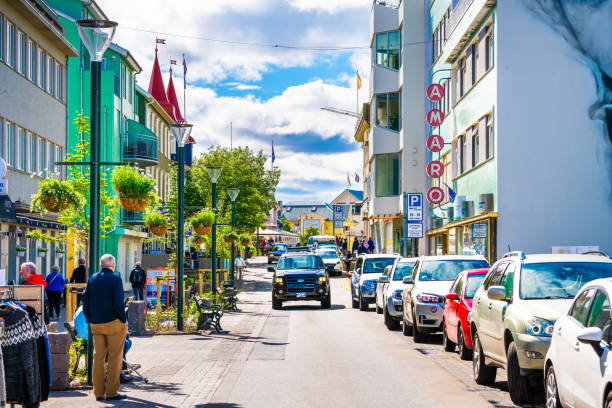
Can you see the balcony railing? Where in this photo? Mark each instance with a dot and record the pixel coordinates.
(131, 217)
(140, 145)
(459, 8)
(389, 3)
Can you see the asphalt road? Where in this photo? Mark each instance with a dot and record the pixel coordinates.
(306, 356)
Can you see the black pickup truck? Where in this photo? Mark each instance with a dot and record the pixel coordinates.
(300, 276)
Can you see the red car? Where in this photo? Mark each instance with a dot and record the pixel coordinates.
(457, 308)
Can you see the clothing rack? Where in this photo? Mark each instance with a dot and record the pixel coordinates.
(31, 295)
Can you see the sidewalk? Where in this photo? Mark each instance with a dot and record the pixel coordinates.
(186, 370)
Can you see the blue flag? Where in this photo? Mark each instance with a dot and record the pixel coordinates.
(451, 193)
(273, 155)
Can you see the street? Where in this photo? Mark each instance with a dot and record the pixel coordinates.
(301, 356)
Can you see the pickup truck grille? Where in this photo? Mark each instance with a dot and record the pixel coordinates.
(298, 284)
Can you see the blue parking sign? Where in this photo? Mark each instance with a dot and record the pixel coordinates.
(414, 207)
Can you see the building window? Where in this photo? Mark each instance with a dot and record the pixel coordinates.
(42, 157)
(10, 44)
(489, 137)
(21, 163)
(460, 145)
(33, 50)
(10, 148)
(33, 156)
(488, 52)
(23, 54)
(446, 162)
(59, 86)
(51, 164)
(461, 77)
(387, 176)
(51, 76)
(388, 111)
(475, 146)
(59, 156)
(116, 85)
(388, 49)
(42, 73)
(1, 37)
(2, 144)
(474, 63)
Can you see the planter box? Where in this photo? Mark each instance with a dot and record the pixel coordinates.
(21, 253)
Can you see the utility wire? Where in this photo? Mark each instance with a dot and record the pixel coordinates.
(266, 45)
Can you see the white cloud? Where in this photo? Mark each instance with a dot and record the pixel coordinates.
(237, 86)
(328, 6)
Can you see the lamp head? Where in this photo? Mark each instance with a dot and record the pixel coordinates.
(214, 172)
(181, 132)
(232, 192)
(97, 36)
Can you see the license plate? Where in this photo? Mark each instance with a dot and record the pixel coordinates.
(300, 295)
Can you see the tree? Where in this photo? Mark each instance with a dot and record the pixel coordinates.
(286, 226)
(242, 168)
(311, 230)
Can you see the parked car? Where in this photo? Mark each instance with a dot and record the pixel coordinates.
(276, 251)
(576, 366)
(331, 260)
(315, 240)
(389, 291)
(300, 276)
(425, 290)
(457, 309)
(515, 310)
(368, 268)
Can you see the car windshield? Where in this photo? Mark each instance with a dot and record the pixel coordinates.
(328, 255)
(300, 262)
(377, 265)
(402, 269)
(473, 283)
(447, 270)
(559, 280)
(279, 248)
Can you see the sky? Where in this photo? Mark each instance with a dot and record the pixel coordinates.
(267, 93)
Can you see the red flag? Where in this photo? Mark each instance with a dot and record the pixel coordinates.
(160, 41)
(172, 62)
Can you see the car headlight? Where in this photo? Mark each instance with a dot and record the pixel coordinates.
(322, 280)
(398, 294)
(469, 317)
(279, 281)
(428, 298)
(539, 327)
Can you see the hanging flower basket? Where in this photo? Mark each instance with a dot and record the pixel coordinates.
(202, 222)
(134, 189)
(52, 204)
(159, 230)
(156, 223)
(56, 196)
(42, 252)
(21, 251)
(198, 240)
(245, 240)
(230, 237)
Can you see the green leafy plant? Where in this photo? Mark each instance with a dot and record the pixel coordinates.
(198, 239)
(230, 236)
(135, 189)
(245, 240)
(60, 251)
(81, 372)
(56, 196)
(42, 249)
(202, 222)
(20, 248)
(156, 222)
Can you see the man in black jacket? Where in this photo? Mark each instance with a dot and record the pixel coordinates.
(79, 275)
(103, 306)
(138, 279)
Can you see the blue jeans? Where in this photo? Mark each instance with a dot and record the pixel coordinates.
(138, 293)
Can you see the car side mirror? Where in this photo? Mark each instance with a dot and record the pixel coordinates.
(408, 280)
(496, 293)
(383, 279)
(358, 271)
(270, 269)
(452, 296)
(590, 335)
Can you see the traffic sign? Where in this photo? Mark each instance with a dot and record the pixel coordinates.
(414, 230)
(435, 195)
(414, 207)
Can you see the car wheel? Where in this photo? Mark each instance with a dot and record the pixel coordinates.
(483, 374)
(406, 328)
(417, 335)
(390, 322)
(354, 303)
(518, 385)
(378, 309)
(326, 302)
(609, 400)
(277, 304)
(363, 305)
(552, 392)
(464, 352)
(448, 345)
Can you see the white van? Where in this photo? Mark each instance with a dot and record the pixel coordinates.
(316, 240)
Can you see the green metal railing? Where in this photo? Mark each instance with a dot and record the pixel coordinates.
(140, 145)
(131, 217)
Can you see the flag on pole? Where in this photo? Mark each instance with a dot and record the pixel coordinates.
(273, 155)
(451, 193)
(184, 73)
(160, 40)
(348, 179)
(356, 177)
(358, 81)
(172, 62)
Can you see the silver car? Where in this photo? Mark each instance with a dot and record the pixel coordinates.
(426, 288)
(368, 268)
(389, 291)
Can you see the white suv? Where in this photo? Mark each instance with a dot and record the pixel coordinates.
(389, 291)
(368, 268)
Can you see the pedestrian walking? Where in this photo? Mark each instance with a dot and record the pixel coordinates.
(362, 249)
(371, 245)
(55, 288)
(79, 275)
(239, 265)
(355, 247)
(138, 278)
(30, 277)
(105, 312)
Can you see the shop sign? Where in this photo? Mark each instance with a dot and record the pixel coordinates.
(435, 92)
(435, 143)
(414, 230)
(435, 117)
(435, 195)
(480, 230)
(435, 169)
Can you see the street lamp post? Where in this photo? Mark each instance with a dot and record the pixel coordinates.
(233, 193)
(181, 132)
(96, 35)
(214, 172)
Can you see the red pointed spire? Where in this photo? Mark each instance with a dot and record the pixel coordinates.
(173, 100)
(156, 88)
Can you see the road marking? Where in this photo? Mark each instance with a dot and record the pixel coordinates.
(346, 284)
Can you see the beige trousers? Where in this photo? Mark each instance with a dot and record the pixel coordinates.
(108, 339)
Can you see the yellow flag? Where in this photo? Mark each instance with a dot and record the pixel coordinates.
(358, 81)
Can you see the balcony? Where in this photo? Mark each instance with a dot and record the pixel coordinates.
(131, 217)
(140, 145)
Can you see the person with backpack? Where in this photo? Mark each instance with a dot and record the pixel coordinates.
(55, 288)
(138, 279)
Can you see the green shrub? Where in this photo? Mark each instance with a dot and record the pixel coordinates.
(61, 193)
(230, 236)
(245, 240)
(202, 219)
(154, 219)
(129, 183)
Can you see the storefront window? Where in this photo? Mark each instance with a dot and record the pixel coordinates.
(452, 243)
(473, 239)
